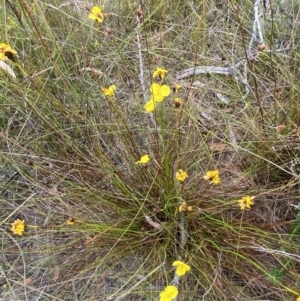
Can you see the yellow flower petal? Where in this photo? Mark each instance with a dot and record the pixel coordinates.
(160, 73)
(144, 160)
(149, 106)
(212, 176)
(6, 52)
(165, 90)
(181, 175)
(18, 226)
(184, 207)
(169, 293)
(155, 88)
(158, 98)
(182, 268)
(96, 14)
(176, 88)
(70, 221)
(246, 202)
(177, 102)
(159, 92)
(110, 91)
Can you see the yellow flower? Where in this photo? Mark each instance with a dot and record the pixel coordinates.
(176, 88)
(177, 102)
(110, 91)
(298, 299)
(212, 176)
(6, 52)
(169, 293)
(159, 92)
(96, 14)
(181, 175)
(184, 207)
(246, 202)
(144, 160)
(149, 106)
(160, 73)
(70, 221)
(182, 268)
(18, 226)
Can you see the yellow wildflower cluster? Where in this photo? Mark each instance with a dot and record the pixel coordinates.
(18, 227)
(110, 91)
(181, 267)
(177, 101)
(171, 291)
(160, 73)
(181, 175)
(184, 207)
(159, 92)
(246, 202)
(212, 176)
(96, 14)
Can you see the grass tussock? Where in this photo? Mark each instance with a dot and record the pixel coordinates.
(103, 221)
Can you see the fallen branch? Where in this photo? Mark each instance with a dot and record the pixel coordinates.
(205, 70)
(233, 71)
(229, 71)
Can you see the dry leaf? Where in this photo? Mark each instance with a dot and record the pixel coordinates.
(223, 98)
(91, 240)
(197, 84)
(95, 71)
(219, 147)
(151, 222)
(55, 273)
(26, 281)
(228, 110)
(6, 68)
(54, 191)
(280, 128)
(4, 135)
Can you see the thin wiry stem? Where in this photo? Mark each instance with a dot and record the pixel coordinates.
(122, 295)
(183, 236)
(142, 79)
(183, 240)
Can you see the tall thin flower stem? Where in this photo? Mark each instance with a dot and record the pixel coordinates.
(142, 79)
(183, 240)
